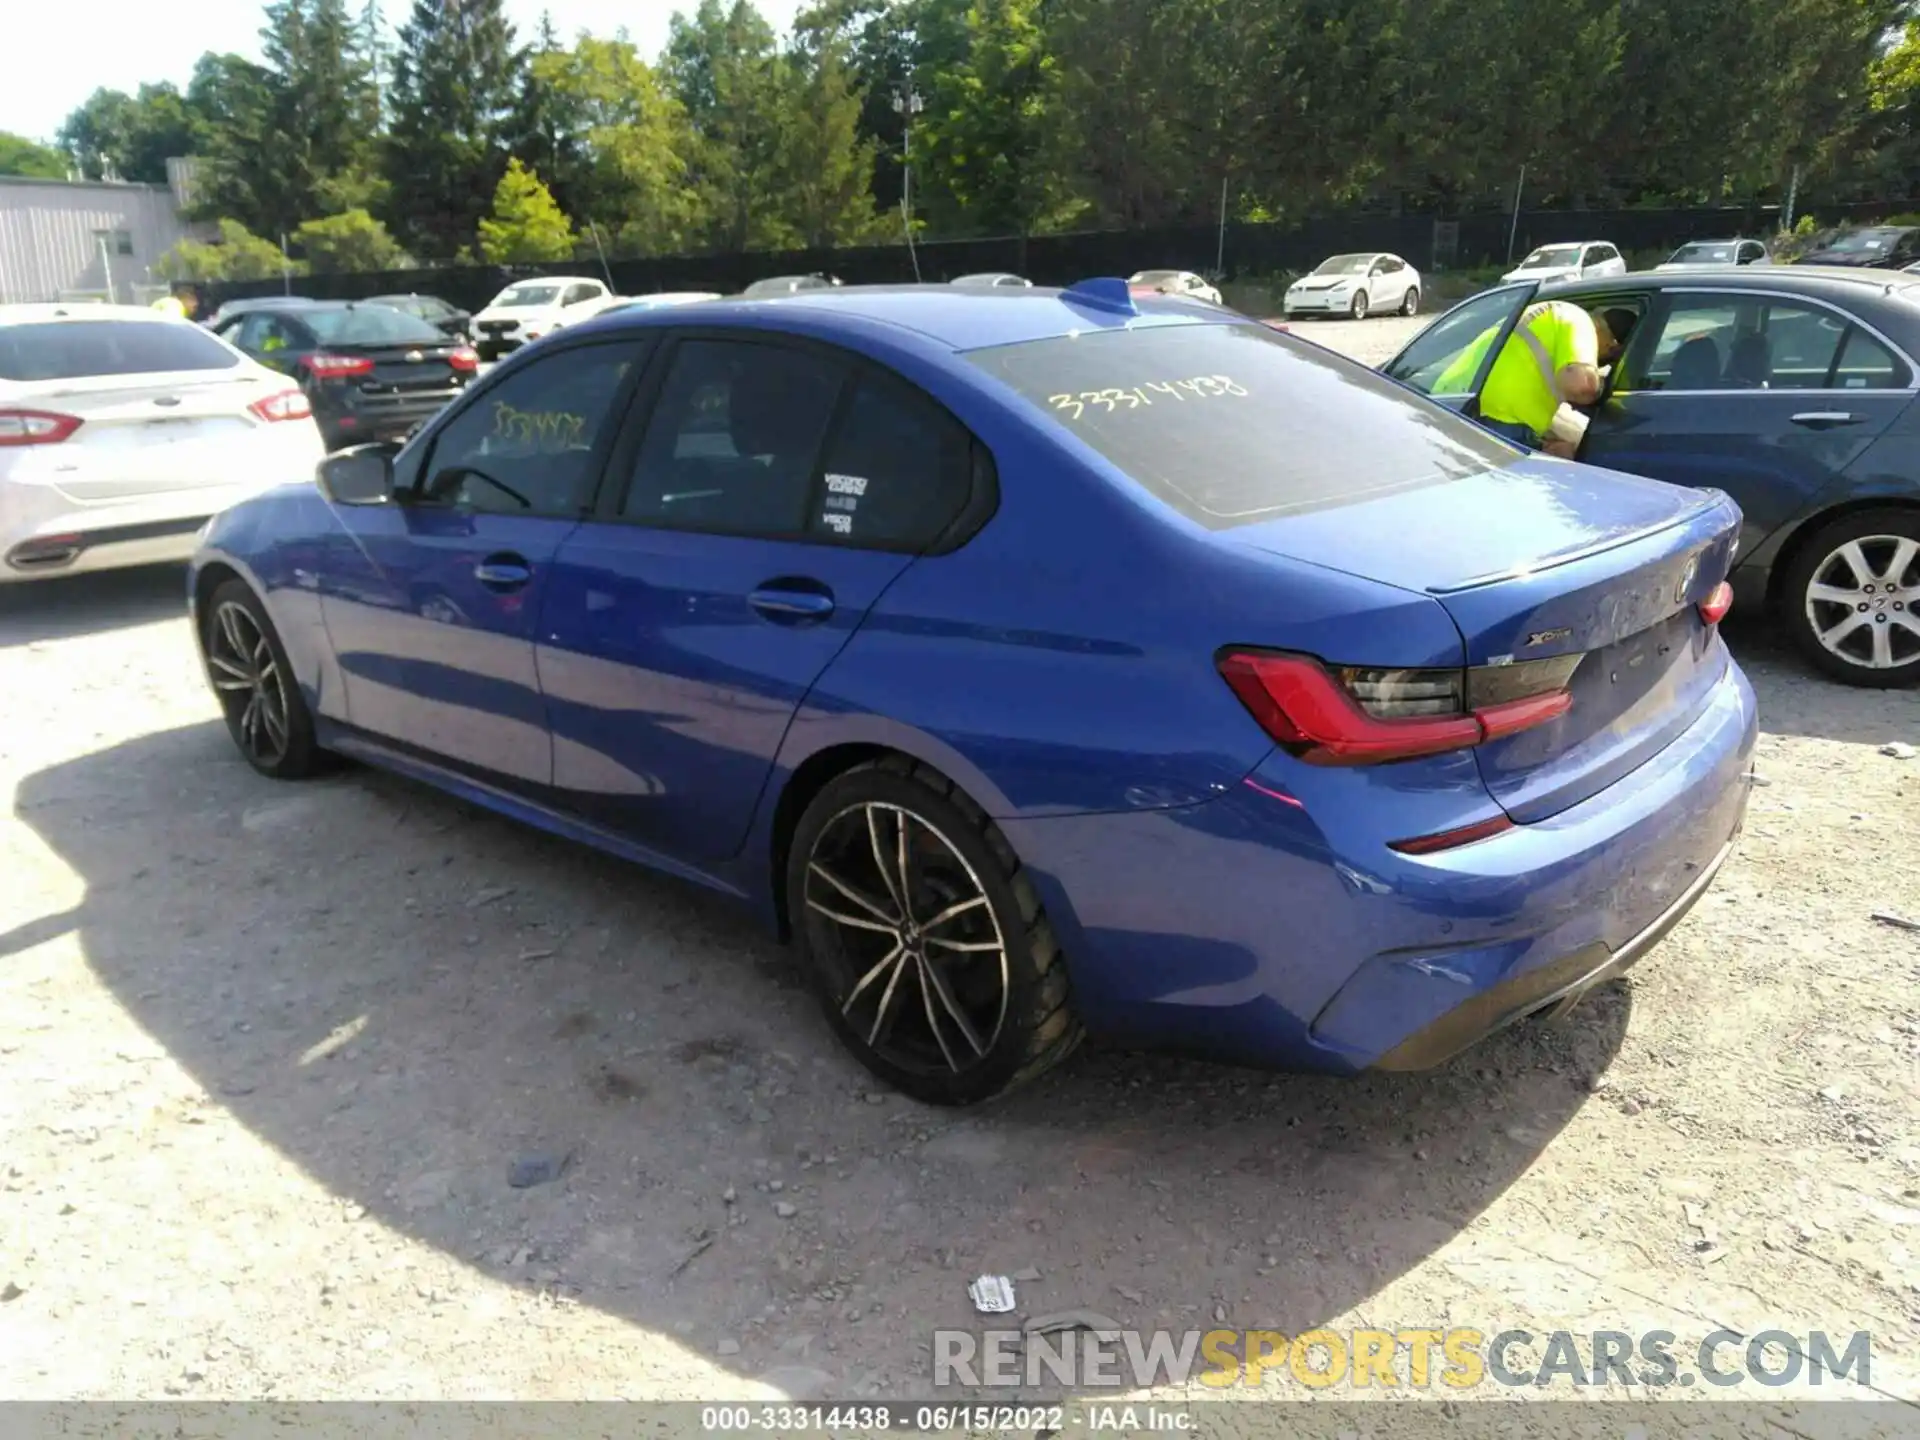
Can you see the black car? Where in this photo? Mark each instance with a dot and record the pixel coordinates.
(448, 319)
(369, 371)
(1790, 388)
(1879, 247)
(787, 285)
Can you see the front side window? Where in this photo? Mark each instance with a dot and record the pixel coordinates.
(526, 446)
(1231, 424)
(1447, 356)
(734, 439)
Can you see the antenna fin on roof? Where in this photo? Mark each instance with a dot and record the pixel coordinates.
(1104, 292)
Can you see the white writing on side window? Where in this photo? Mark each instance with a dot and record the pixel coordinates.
(847, 484)
(839, 524)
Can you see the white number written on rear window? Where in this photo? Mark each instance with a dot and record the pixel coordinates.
(1136, 397)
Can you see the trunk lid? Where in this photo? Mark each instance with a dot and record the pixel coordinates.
(421, 365)
(1541, 560)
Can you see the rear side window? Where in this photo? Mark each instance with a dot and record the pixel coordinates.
(1230, 424)
(898, 470)
(72, 349)
(734, 439)
(369, 325)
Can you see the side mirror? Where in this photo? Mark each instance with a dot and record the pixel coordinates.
(362, 475)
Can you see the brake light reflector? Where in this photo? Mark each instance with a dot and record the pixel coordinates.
(1453, 839)
(1719, 601)
(324, 366)
(1365, 717)
(465, 358)
(287, 405)
(36, 427)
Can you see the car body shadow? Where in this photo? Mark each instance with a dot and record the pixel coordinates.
(1796, 699)
(405, 995)
(67, 606)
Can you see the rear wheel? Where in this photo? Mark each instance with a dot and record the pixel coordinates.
(266, 714)
(924, 941)
(1358, 310)
(1410, 302)
(1853, 598)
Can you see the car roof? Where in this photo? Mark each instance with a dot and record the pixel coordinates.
(33, 314)
(946, 318)
(1833, 281)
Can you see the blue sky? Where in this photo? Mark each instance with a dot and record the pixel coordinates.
(126, 42)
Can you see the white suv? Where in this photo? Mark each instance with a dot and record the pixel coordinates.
(1574, 260)
(528, 309)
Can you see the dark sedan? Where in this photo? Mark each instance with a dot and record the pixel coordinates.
(1879, 247)
(370, 372)
(449, 320)
(1790, 388)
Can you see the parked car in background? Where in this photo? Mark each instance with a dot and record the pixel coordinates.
(785, 632)
(369, 372)
(1792, 389)
(1697, 254)
(1355, 285)
(787, 285)
(992, 280)
(1880, 247)
(529, 309)
(657, 301)
(122, 431)
(1182, 283)
(1576, 260)
(450, 320)
(230, 308)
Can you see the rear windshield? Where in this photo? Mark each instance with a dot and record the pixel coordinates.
(1230, 424)
(72, 349)
(369, 325)
(1552, 255)
(1703, 254)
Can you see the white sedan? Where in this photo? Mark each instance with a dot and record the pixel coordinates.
(1183, 283)
(122, 432)
(1356, 285)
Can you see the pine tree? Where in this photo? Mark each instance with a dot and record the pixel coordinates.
(321, 100)
(456, 76)
(525, 224)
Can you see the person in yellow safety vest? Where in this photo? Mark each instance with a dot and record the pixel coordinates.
(171, 306)
(1552, 357)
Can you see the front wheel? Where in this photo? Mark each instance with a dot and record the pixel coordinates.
(1853, 598)
(1358, 310)
(265, 712)
(1410, 302)
(923, 939)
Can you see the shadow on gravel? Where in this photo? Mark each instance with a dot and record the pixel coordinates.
(1796, 699)
(63, 608)
(404, 996)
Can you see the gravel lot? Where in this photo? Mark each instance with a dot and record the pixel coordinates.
(270, 1052)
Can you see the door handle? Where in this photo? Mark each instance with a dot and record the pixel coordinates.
(1826, 419)
(503, 573)
(786, 605)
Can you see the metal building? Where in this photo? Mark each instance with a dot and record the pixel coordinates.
(87, 239)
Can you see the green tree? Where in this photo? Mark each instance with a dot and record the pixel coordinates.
(456, 76)
(321, 112)
(239, 254)
(231, 99)
(724, 68)
(21, 156)
(994, 124)
(621, 141)
(827, 183)
(351, 240)
(525, 224)
(130, 137)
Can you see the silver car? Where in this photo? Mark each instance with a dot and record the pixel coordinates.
(1701, 254)
(122, 432)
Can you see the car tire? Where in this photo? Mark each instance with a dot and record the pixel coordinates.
(1358, 309)
(1847, 570)
(253, 681)
(1000, 990)
(1410, 302)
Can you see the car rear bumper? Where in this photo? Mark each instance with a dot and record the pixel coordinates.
(358, 417)
(1245, 929)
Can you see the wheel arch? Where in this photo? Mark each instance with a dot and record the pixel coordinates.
(1790, 551)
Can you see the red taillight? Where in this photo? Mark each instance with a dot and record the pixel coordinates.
(323, 366)
(287, 405)
(1719, 601)
(464, 359)
(36, 427)
(1324, 721)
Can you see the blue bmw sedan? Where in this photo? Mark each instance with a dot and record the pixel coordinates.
(1043, 663)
